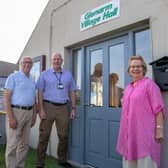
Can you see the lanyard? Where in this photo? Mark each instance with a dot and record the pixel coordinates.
(58, 78)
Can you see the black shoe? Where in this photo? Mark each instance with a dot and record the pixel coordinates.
(65, 164)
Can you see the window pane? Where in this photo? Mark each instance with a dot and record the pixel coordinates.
(143, 48)
(96, 83)
(116, 75)
(77, 74)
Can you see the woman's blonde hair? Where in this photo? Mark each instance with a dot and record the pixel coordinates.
(138, 57)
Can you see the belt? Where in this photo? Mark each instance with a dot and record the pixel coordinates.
(54, 103)
(22, 107)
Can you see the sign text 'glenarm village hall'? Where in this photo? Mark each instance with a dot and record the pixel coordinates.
(100, 14)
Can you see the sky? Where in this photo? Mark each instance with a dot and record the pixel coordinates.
(18, 19)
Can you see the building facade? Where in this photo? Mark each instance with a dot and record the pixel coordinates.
(97, 38)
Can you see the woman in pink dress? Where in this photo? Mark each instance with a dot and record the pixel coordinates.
(141, 126)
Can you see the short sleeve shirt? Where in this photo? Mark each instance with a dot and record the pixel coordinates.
(48, 83)
(23, 89)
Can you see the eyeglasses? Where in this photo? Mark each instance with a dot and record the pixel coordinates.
(136, 66)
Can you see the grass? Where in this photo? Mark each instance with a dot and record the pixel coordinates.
(30, 160)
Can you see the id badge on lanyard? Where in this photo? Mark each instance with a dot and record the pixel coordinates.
(59, 85)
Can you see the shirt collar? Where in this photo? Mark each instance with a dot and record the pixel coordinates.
(139, 81)
(22, 73)
(55, 71)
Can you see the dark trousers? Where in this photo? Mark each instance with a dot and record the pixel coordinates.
(59, 115)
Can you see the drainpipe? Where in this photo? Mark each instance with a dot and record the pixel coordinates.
(51, 27)
(50, 45)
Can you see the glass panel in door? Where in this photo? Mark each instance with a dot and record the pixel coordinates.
(96, 80)
(116, 74)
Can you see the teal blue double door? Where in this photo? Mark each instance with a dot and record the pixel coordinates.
(93, 135)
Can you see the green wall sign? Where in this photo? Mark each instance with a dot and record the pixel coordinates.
(100, 14)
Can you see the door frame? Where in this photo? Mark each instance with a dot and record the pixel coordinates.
(105, 46)
(77, 156)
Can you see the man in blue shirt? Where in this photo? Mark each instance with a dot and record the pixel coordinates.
(56, 88)
(19, 103)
